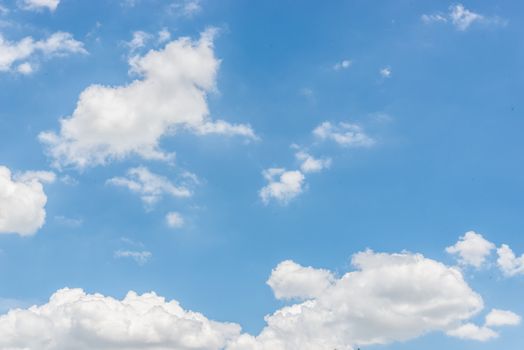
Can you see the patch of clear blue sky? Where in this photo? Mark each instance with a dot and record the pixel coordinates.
(449, 159)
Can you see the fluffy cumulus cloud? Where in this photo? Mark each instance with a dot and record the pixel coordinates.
(290, 280)
(472, 249)
(508, 262)
(389, 297)
(112, 122)
(37, 5)
(22, 201)
(73, 319)
(386, 298)
(344, 134)
(461, 18)
(149, 186)
(23, 55)
(283, 185)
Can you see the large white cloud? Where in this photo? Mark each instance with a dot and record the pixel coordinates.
(22, 55)
(22, 201)
(73, 319)
(112, 122)
(390, 297)
(472, 249)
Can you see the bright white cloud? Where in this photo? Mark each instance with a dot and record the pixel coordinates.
(290, 280)
(174, 219)
(389, 297)
(170, 95)
(17, 53)
(73, 319)
(473, 332)
(37, 5)
(22, 201)
(151, 187)
(497, 318)
(345, 134)
(310, 164)
(385, 72)
(282, 185)
(140, 257)
(508, 262)
(472, 249)
(344, 64)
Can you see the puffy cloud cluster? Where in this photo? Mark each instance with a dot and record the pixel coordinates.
(151, 187)
(37, 5)
(386, 298)
(21, 56)
(345, 134)
(472, 249)
(112, 122)
(73, 319)
(389, 297)
(22, 201)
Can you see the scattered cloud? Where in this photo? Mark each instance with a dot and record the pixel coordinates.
(38, 5)
(138, 41)
(345, 134)
(290, 280)
(385, 72)
(282, 185)
(472, 249)
(185, 8)
(69, 222)
(164, 35)
(344, 64)
(140, 257)
(22, 201)
(174, 219)
(473, 332)
(114, 122)
(508, 262)
(497, 318)
(461, 18)
(310, 164)
(73, 319)
(15, 56)
(149, 186)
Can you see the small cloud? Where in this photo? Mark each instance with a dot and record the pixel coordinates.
(140, 257)
(164, 35)
(138, 41)
(508, 262)
(461, 18)
(174, 220)
(344, 64)
(310, 164)
(345, 134)
(385, 72)
(282, 185)
(472, 249)
(185, 8)
(70, 222)
(25, 68)
(39, 5)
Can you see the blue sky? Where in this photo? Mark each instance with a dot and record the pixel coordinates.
(317, 134)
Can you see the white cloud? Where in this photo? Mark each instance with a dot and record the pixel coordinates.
(282, 185)
(461, 18)
(164, 35)
(73, 319)
(345, 134)
(174, 219)
(115, 122)
(138, 41)
(290, 280)
(385, 72)
(497, 318)
(344, 64)
(17, 53)
(472, 249)
(310, 164)
(22, 201)
(389, 297)
(140, 257)
(70, 222)
(508, 262)
(186, 8)
(151, 187)
(37, 5)
(473, 332)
